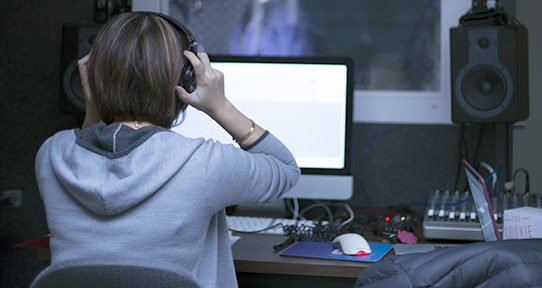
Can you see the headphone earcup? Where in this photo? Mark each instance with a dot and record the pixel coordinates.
(188, 78)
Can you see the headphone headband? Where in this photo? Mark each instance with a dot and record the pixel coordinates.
(179, 26)
(187, 78)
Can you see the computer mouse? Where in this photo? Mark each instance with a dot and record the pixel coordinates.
(352, 244)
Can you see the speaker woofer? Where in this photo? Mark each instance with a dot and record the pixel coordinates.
(77, 40)
(73, 87)
(484, 88)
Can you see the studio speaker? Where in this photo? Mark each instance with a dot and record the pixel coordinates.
(77, 40)
(489, 74)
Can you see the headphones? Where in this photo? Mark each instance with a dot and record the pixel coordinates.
(187, 79)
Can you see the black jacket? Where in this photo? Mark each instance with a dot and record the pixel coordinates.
(507, 263)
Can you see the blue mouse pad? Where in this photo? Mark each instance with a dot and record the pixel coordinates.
(325, 250)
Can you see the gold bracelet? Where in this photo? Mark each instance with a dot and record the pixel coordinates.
(248, 134)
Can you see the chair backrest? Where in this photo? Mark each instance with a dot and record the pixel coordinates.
(109, 274)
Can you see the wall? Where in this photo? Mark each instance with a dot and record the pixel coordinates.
(394, 164)
(403, 164)
(29, 83)
(528, 140)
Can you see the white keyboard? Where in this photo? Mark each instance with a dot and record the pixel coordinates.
(251, 224)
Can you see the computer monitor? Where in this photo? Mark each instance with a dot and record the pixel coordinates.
(305, 102)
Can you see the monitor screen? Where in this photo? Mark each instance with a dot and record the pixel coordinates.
(305, 102)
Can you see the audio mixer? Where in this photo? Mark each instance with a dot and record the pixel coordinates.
(453, 215)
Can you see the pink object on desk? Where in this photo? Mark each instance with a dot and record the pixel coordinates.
(407, 237)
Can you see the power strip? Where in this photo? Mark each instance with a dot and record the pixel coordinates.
(12, 198)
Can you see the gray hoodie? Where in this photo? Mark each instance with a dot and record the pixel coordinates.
(111, 191)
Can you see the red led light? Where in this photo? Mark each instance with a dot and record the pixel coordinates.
(387, 219)
(361, 253)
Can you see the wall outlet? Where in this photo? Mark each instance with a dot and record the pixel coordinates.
(15, 197)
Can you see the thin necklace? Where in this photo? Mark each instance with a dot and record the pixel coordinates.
(142, 124)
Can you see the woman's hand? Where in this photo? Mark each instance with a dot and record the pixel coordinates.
(209, 93)
(91, 113)
(209, 97)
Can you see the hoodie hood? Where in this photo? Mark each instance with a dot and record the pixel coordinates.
(110, 169)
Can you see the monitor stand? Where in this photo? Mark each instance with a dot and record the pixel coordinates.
(317, 187)
(275, 209)
(323, 187)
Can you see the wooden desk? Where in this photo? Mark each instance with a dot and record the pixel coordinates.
(258, 264)
(254, 253)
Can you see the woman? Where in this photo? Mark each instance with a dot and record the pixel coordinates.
(126, 186)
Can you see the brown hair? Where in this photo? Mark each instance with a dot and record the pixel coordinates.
(134, 68)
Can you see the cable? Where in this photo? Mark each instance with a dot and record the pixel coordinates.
(479, 143)
(318, 232)
(496, 173)
(295, 209)
(527, 181)
(462, 144)
(257, 231)
(492, 173)
(330, 215)
(489, 17)
(352, 216)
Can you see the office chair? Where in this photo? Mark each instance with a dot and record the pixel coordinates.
(92, 273)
